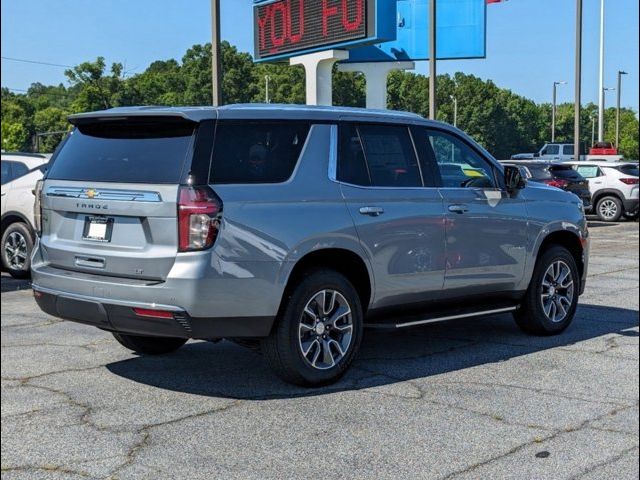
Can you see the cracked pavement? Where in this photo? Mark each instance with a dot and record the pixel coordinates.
(467, 399)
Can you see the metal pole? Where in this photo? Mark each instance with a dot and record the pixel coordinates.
(620, 73)
(593, 130)
(432, 60)
(216, 70)
(266, 89)
(601, 83)
(455, 112)
(578, 87)
(553, 114)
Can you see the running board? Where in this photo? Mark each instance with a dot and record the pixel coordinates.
(440, 319)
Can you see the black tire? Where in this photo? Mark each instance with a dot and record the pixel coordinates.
(17, 238)
(613, 204)
(149, 345)
(531, 316)
(631, 215)
(283, 348)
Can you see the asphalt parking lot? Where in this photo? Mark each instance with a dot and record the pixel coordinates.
(472, 399)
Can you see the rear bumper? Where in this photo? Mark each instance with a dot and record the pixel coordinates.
(630, 205)
(119, 316)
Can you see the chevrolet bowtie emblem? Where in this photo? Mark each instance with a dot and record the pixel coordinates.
(91, 193)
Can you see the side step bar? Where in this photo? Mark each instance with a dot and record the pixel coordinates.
(425, 321)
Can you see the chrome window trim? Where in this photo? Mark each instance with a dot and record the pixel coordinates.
(103, 194)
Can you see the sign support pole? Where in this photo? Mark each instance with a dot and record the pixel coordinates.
(578, 87)
(432, 60)
(318, 68)
(376, 74)
(216, 70)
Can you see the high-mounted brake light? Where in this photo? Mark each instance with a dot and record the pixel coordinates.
(629, 181)
(199, 212)
(558, 183)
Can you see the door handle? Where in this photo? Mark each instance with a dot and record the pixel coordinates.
(371, 211)
(458, 208)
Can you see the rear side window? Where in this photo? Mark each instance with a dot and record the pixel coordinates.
(629, 170)
(589, 171)
(125, 152)
(390, 156)
(256, 152)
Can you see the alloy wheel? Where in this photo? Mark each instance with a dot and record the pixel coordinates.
(608, 209)
(15, 250)
(325, 329)
(558, 290)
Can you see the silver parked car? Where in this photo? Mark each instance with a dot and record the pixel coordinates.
(292, 228)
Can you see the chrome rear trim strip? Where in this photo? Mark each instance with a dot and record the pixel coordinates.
(103, 194)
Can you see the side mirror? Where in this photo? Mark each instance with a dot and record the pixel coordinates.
(513, 178)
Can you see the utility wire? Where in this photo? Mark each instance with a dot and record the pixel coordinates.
(23, 60)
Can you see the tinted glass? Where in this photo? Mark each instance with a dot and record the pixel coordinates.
(566, 173)
(18, 169)
(6, 171)
(135, 152)
(539, 172)
(352, 167)
(629, 170)
(551, 150)
(257, 152)
(568, 149)
(390, 156)
(460, 166)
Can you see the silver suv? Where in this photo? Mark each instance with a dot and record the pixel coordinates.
(291, 228)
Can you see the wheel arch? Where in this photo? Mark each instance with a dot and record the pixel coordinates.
(11, 217)
(607, 192)
(342, 260)
(567, 239)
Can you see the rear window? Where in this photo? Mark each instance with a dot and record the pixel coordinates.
(125, 152)
(629, 170)
(539, 172)
(257, 152)
(566, 173)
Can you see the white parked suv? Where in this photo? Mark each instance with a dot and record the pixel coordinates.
(20, 172)
(613, 186)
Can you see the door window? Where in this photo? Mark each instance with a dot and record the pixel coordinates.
(352, 166)
(588, 171)
(551, 150)
(460, 166)
(390, 156)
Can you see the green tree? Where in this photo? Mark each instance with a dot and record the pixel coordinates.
(49, 120)
(95, 89)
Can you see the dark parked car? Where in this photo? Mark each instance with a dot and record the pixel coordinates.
(558, 175)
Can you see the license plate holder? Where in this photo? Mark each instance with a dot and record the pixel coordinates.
(97, 229)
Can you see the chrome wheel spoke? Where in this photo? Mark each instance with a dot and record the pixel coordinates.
(557, 291)
(325, 329)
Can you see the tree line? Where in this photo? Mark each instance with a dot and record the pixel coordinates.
(502, 121)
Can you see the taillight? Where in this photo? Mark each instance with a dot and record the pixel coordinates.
(629, 181)
(199, 210)
(557, 182)
(37, 207)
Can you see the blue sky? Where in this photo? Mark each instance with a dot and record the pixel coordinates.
(529, 43)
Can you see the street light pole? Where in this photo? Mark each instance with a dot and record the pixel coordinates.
(601, 83)
(604, 91)
(620, 73)
(593, 129)
(216, 70)
(553, 111)
(455, 110)
(266, 89)
(432, 60)
(578, 87)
